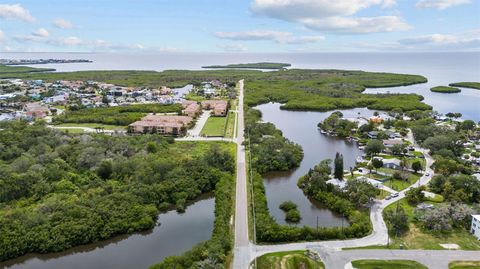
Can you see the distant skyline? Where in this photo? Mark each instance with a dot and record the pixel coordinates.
(165, 26)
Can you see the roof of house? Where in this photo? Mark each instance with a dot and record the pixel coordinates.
(391, 161)
(392, 142)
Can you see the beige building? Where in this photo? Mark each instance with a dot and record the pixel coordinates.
(169, 125)
(36, 110)
(191, 108)
(219, 107)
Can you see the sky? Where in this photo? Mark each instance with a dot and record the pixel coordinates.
(170, 26)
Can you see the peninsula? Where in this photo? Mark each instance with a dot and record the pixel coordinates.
(261, 65)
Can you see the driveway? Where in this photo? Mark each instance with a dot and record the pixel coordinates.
(195, 131)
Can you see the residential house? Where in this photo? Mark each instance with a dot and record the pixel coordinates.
(372, 134)
(391, 163)
(475, 229)
(392, 142)
(169, 125)
(165, 91)
(376, 119)
(36, 110)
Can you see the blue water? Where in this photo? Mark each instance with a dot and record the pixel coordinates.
(440, 68)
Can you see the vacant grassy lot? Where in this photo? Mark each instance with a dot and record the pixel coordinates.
(399, 185)
(72, 130)
(465, 265)
(288, 260)
(387, 264)
(215, 126)
(417, 238)
(230, 125)
(120, 115)
(91, 125)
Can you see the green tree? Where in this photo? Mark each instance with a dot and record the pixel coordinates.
(377, 163)
(105, 169)
(417, 166)
(338, 166)
(415, 195)
(374, 147)
(397, 221)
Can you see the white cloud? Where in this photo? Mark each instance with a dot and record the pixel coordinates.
(361, 25)
(332, 16)
(233, 47)
(41, 36)
(389, 3)
(67, 41)
(41, 32)
(63, 24)
(103, 45)
(469, 40)
(440, 4)
(15, 11)
(276, 36)
(3, 36)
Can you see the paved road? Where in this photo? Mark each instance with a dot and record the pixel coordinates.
(335, 258)
(331, 251)
(195, 131)
(433, 259)
(242, 251)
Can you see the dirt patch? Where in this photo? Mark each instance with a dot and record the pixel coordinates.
(450, 246)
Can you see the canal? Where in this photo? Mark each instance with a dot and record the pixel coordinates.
(174, 234)
(301, 128)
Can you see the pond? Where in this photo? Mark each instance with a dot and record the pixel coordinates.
(174, 234)
(301, 128)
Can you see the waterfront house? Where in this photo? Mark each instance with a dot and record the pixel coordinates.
(376, 119)
(475, 228)
(392, 142)
(372, 134)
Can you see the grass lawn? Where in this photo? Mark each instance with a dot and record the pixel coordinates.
(386, 170)
(416, 238)
(194, 97)
(387, 264)
(399, 185)
(230, 124)
(382, 194)
(465, 265)
(288, 260)
(72, 130)
(91, 125)
(215, 126)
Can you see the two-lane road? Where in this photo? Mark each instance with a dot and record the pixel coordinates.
(242, 253)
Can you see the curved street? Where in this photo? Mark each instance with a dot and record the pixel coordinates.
(331, 251)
